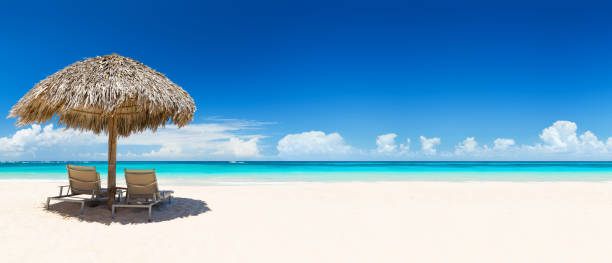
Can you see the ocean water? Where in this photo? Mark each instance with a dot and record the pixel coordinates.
(272, 172)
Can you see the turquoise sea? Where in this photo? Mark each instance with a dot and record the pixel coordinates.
(267, 172)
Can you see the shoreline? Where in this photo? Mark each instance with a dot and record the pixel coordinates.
(213, 182)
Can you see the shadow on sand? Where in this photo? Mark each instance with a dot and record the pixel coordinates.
(179, 208)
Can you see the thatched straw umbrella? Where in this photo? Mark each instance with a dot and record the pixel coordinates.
(111, 94)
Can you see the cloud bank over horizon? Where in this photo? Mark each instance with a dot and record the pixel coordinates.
(210, 141)
(560, 141)
(241, 140)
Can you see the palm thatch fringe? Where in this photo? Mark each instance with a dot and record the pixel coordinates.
(86, 94)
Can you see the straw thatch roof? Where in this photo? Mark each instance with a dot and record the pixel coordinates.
(86, 94)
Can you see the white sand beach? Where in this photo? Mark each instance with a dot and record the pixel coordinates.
(321, 222)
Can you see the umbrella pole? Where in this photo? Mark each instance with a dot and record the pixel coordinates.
(112, 159)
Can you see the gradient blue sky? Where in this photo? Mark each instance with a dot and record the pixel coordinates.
(442, 69)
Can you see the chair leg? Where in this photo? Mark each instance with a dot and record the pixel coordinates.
(149, 213)
(113, 212)
(82, 205)
(48, 200)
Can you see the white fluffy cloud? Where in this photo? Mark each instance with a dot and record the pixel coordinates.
(211, 141)
(313, 144)
(469, 145)
(562, 137)
(501, 144)
(30, 140)
(428, 146)
(198, 141)
(385, 144)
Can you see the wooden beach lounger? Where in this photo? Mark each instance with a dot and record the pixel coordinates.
(84, 180)
(142, 191)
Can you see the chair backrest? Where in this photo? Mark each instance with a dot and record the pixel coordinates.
(141, 183)
(83, 179)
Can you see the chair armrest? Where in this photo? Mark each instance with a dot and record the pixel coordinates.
(143, 186)
(61, 187)
(87, 182)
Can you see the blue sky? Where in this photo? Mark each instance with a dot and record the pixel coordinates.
(260, 71)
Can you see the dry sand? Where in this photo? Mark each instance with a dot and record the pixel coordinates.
(320, 222)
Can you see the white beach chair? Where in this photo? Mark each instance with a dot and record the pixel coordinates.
(83, 181)
(142, 191)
